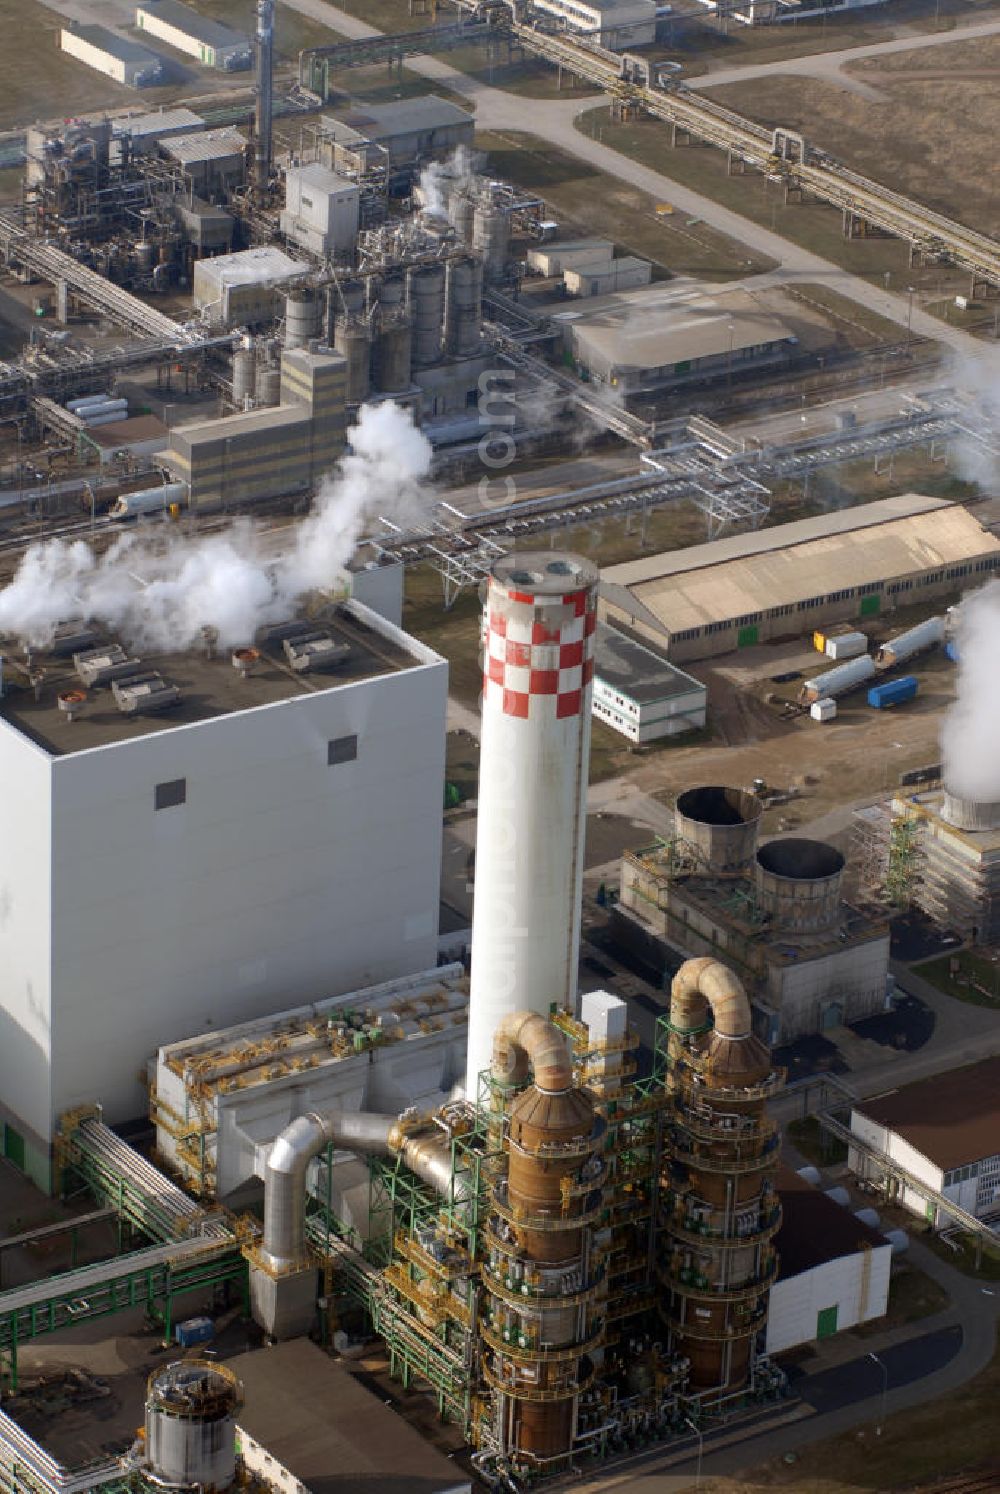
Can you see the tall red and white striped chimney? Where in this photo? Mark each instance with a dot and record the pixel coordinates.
(541, 613)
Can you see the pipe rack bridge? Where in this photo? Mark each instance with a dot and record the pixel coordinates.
(19, 247)
(778, 153)
(193, 1249)
(317, 63)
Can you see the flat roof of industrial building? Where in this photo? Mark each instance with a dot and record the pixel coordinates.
(158, 122)
(331, 1433)
(113, 43)
(250, 266)
(209, 687)
(814, 1229)
(788, 563)
(672, 322)
(637, 670)
(315, 174)
(202, 28)
(400, 117)
(952, 1119)
(206, 145)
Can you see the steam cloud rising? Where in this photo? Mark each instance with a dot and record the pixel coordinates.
(159, 591)
(970, 737)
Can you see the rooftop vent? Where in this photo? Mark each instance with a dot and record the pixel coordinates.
(72, 638)
(245, 660)
(101, 666)
(144, 694)
(71, 703)
(315, 651)
(279, 631)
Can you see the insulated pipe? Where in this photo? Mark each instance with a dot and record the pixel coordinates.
(284, 1244)
(706, 983)
(526, 1040)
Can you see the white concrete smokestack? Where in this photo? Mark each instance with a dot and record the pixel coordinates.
(541, 612)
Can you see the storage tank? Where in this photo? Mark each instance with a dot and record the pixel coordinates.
(720, 825)
(838, 1196)
(77, 406)
(870, 1217)
(799, 883)
(541, 616)
(491, 239)
(898, 1239)
(464, 290)
(809, 1174)
(191, 1409)
(118, 408)
(353, 339)
(914, 641)
(838, 681)
(393, 354)
(267, 387)
(244, 378)
(425, 296)
(969, 814)
(301, 318)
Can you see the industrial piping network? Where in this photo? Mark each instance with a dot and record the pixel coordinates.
(775, 152)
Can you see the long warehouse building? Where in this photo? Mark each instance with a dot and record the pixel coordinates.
(789, 579)
(198, 36)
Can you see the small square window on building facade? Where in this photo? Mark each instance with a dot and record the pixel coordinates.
(342, 750)
(170, 794)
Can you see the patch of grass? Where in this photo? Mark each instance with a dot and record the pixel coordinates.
(462, 763)
(594, 202)
(292, 30)
(394, 15)
(813, 225)
(912, 1295)
(964, 1258)
(974, 979)
(530, 77)
(815, 1144)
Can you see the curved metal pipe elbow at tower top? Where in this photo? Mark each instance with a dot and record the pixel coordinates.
(526, 1040)
(703, 985)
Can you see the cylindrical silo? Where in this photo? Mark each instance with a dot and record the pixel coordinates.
(392, 354)
(268, 385)
(969, 814)
(301, 318)
(534, 756)
(799, 883)
(353, 339)
(425, 295)
(244, 372)
(464, 292)
(191, 1409)
(719, 824)
(491, 239)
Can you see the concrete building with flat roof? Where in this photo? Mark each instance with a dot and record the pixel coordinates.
(272, 452)
(116, 56)
(833, 1268)
(639, 693)
(144, 131)
(243, 289)
(212, 43)
(407, 130)
(321, 211)
(670, 334)
(270, 838)
(212, 161)
(617, 24)
(790, 579)
(945, 1132)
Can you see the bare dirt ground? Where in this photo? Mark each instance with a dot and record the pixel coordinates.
(932, 137)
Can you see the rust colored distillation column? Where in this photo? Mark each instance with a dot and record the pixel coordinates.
(544, 1314)
(721, 1209)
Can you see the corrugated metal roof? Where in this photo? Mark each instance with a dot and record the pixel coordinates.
(952, 1119)
(379, 121)
(250, 267)
(671, 322)
(202, 28)
(208, 145)
(158, 123)
(790, 563)
(114, 44)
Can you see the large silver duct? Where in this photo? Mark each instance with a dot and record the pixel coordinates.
(284, 1244)
(360, 1131)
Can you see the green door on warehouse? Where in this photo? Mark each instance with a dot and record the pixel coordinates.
(870, 605)
(826, 1322)
(747, 637)
(13, 1146)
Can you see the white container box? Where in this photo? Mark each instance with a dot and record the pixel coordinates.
(846, 645)
(823, 710)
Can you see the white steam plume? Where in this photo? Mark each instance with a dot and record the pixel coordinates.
(158, 591)
(439, 178)
(970, 737)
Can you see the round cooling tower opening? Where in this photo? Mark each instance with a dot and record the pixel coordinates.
(563, 568)
(716, 805)
(800, 860)
(525, 577)
(969, 814)
(545, 573)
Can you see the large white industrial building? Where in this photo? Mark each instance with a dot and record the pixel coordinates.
(610, 23)
(321, 210)
(196, 35)
(944, 1132)
(270, 840)
(111, 53)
